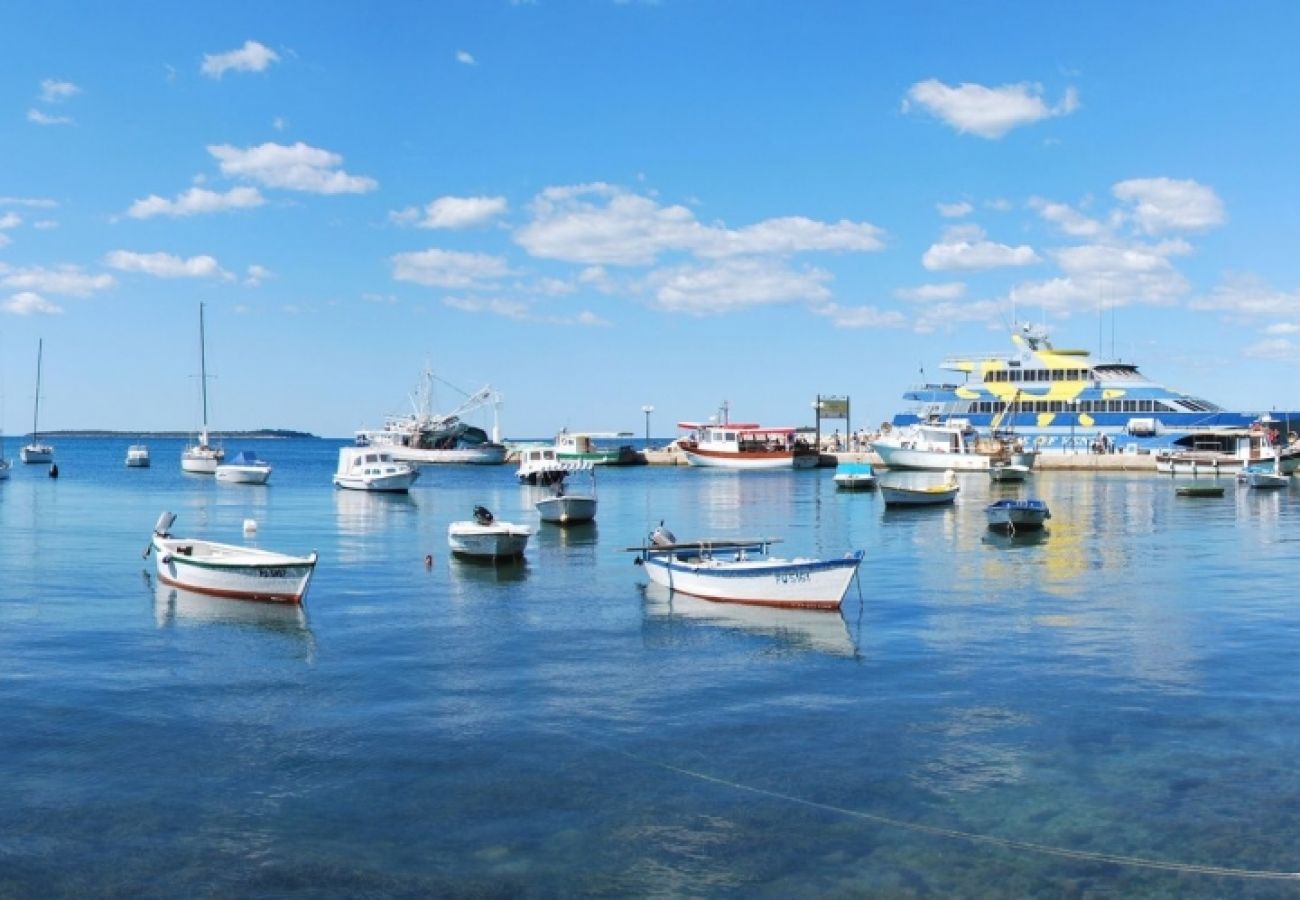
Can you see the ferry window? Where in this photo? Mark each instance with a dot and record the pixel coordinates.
(1130, 406)
(1144, 406)
(1015, 374)
(731, 435)
(1056, 406)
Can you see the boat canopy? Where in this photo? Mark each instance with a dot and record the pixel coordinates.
(246, 458)
(741, 427)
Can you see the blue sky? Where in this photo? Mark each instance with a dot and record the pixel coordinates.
(599, 205)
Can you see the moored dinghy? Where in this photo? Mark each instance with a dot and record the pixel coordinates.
(137, 456)
(483, 537)
(1017, 515)
(1006, 472)
(246, 468)
(228, 570)
(565, 507)
(854, 476)
(741, 571)
(898, 494)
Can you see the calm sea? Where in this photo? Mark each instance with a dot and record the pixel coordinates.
(1109, 707)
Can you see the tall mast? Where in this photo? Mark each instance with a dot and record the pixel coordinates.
(203, 374)
(36, 410)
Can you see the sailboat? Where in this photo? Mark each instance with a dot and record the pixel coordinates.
(202, 458)
(37, 452)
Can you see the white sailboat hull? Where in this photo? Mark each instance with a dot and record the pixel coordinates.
(201, 460)
(37, 453)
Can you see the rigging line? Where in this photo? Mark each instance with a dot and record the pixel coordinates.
(956, 834)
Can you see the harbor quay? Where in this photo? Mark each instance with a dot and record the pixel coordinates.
(1052, 462)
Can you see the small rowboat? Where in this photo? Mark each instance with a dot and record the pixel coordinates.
(228, 570)
(854, 476)
(1017, 515)
(1199, 489)
(741, 571)
(930, 495)
(1008, 472)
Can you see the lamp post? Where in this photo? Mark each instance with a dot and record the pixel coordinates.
(647, 409)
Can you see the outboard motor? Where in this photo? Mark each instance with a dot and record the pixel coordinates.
(482, 515)
(163, 526)
(662, 537)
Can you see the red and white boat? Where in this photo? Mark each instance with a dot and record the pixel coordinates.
(745, 445)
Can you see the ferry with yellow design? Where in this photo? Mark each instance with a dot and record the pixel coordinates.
(1064, 400)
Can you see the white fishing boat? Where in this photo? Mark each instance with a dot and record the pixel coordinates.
(425, 437)
(539, 465)
(1212, 450)
(201, 458)
(896, 493)
(228, 570)
(373, 469)
(137, 456)
(854, 476)
(246, 468)
(1008, 472)
(568, 507)
(36, 450)
(581, 446)
(483, 537)
(936, 446)
(1017, 515)
(742, 571)
(745, 445)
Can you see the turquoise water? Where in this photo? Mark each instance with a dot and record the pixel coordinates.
(996, 716)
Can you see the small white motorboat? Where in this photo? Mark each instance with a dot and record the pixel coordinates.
(137, 456)
(741, 571)
(854, 476)
(897, 494)
(483, 537)
(373, 469)
(564, 507)
(246, 468)
(228, 570)
(1008, 472)
(539, 465)
(1017, 515)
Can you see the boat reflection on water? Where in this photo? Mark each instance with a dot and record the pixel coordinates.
(358, 512)
(793, 629)
(576, 535)
(499, 570)
(1016, 539)
(174, 606)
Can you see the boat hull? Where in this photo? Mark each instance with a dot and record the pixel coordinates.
(905, 496)
(896, 457)
(1267, 480)
(227, 570)
(1017, 515)
(381, 484)
(137, 460)
(201, 460)
(493, 455)
(567, 510)
(750, 459)
(232, 474)
(788, 584)
(1008, 473)
(500, 540)
(37, 454)
(855, 482)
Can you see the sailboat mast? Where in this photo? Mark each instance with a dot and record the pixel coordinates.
(203, 373)
(36, 409)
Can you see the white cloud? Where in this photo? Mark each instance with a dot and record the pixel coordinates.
(984, 111)
(53, 91)
(465, 58)
(860, 316)
(5, 240)
(509, 309)
(600, 224)
(1066, 218)
(966, 247)
(10, 220)
(36, 202)
(64, 280)
(1248, 295)
(165, 265)
(196, 201)
(448, 268)
(1273, 348)
(1109, 275)
(39, 118)
(453, 212)
(252, 57)
(735, 285)
(1166, 204)
(946, 315)
(297, 168)
(925, 293)
(256, 275)
(29, 303)
(1282, 328)
(954, 210)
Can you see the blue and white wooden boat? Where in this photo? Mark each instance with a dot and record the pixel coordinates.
(741, 571)
(1017, 515)
(855, 476)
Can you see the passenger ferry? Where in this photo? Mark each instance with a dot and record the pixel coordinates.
(1064, 400)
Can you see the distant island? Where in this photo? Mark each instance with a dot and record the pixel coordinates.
(225, 435)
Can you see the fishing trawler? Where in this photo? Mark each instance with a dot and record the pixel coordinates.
(424, 436)
(1063, 400)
